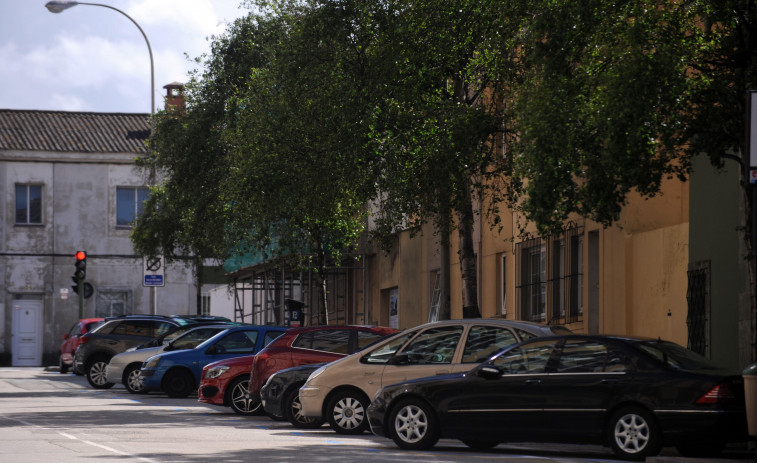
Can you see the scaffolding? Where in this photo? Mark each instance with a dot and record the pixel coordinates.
(260, 293)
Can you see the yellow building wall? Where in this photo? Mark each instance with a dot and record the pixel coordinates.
(643, 260)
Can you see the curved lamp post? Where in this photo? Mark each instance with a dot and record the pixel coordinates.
(57, 7)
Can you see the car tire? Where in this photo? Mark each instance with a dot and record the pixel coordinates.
(412, 425)
(239, 398)
(178, 384)
(480, 444)
(293, 411)
(346, 412)
(96, 375)
(133, 379)
(634, 434)
(62, 367)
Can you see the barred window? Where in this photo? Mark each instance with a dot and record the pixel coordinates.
(550, 278)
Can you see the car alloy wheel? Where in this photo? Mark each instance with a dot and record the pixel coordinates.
(96, 375)
(634, 434)
(412, 425)
(239, 398)
(293, 411)
(134, 381)
(346, 413)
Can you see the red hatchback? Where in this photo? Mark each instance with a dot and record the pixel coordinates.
(71, 341)
(236, 382)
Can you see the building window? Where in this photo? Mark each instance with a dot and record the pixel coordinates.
(28, 204)
(532, 279)
(129, 201)
(549, 284)
(205, 304)
(112, 303)
(436, 297)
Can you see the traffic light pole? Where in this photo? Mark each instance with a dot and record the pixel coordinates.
(80, 283)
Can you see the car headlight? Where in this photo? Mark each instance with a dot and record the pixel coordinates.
(215, 372)
(152, 362)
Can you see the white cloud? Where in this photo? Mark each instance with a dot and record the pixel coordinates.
(91, 59)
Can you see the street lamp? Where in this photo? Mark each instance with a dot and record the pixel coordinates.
(57, 7)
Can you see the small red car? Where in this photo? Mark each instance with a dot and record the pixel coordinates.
(236, 382)
(71, 341)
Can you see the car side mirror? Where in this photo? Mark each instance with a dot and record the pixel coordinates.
(399, 359)
(489, 372)
(65, 336)
(212, 350)
(169, 347)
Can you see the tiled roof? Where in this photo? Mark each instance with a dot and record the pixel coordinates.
(62, 131)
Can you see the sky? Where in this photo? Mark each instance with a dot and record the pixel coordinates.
(94, 59)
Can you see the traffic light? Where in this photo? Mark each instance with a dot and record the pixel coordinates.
(81, 265)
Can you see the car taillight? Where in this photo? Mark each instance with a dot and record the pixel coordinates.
(261, 357)
(722, 393)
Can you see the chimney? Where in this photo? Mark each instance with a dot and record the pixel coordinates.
(174, 96)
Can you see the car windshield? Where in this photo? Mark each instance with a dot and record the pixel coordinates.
(194, 338)
(676, 356)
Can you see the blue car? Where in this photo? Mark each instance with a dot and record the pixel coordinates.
(178, 373)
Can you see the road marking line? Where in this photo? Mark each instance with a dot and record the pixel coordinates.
(94, 444)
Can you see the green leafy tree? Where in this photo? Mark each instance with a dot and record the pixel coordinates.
(612, 97)
(299, 177)
(185, 214)
(437, 122)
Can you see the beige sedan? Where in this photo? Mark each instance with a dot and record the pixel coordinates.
(342, 390)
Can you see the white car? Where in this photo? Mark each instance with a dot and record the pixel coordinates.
(125, 367)
(341, 391)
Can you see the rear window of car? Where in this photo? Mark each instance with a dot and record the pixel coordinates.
(485, 341)
(335, 341)
(134, 328)
(676, 356)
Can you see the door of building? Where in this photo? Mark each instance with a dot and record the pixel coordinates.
(27, 333)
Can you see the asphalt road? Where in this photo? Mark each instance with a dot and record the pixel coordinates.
(49, 417)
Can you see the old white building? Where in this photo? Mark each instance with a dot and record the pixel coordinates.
(68, 182)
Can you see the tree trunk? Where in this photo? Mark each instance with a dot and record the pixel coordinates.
(468, 259)
(444, 296)
(323, 309)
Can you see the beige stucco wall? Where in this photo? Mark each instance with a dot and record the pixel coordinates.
(643, 261)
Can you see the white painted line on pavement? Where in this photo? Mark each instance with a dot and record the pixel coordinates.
(94, 444)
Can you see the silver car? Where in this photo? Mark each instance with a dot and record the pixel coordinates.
(340, 391)
(125, 367)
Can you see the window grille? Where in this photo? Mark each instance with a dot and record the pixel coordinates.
(698, 298)
(549, 278)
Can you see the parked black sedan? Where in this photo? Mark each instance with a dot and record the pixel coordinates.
(280, 396)
(634, 395)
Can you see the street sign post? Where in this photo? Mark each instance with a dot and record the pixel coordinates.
(154, 271)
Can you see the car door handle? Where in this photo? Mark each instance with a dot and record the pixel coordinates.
(533, 381)
(369, 373)
(609, 381)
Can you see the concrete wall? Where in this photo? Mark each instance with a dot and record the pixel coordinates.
(717, 220)
(79, 213)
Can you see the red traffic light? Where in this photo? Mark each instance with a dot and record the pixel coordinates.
(80, 255)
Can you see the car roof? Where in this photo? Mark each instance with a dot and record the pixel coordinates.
(520, 324)
(302, 329)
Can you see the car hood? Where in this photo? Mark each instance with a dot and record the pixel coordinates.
(136, 355)
(233, 362)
